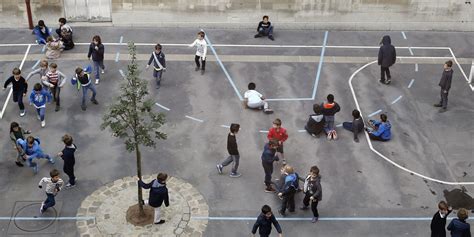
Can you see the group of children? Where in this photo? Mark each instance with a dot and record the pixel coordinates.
(458, 226)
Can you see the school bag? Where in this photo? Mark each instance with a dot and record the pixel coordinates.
(87, 70)
(160, 67)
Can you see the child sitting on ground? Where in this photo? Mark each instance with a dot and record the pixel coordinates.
(53, 48)
(379, 130)
(315, 124)
(254, 100)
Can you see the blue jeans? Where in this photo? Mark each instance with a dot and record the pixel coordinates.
(329, 124)
(157, 75)
(41, 112)
(347, 126)
(230, 159)
(97, 66)
(266, 31)
(49, 202)
(33, 164)
(84, 92)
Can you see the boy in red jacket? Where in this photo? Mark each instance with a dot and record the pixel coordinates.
(279, 133)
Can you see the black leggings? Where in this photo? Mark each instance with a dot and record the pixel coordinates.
(314, 204)
(198, 65)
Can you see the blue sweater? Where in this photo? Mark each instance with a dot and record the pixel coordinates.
(33, 152)
(40, 98)
(268, 154)
(459, 228)
(383, 130)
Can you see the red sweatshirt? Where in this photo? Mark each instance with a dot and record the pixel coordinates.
(281, 135)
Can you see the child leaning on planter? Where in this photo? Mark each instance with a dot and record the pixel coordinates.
(158, 195)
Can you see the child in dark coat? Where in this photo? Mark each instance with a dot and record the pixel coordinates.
(268, 157)
(386, 58)
(316, 122)
(313, 192)
(20, 87)
(17, 132)
(356, 126)
(159, 64)
(96, 50)
(458, 226)
(438, 223)
(264, 223)
(67, 154)
(158, 195)
(287, 193)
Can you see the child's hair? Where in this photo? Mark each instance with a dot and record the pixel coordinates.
(97, 38)
(67, 139)
(78, 70)
(383, 117)
(330, 98)
(53, 173)
(251, 86)
(62, 20)
(14, 125)
(16, 71)
(234, 127)
(317, 108)
(265, 17)
(201, 33)
(158, 46)
(462, 214)
(277, 122)
(266, 209)
(356, 113)
(162, 177)
(49, 39)
(41, 23)
(314, 169)
(53, 65)
(289, 169)
(442, 205)
(30, 139)
(449, 63)
(273, 142)
(37, 87)
(44, 63)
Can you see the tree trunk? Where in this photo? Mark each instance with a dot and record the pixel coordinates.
(139, 174)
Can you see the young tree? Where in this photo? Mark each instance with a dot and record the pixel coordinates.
(131, 117)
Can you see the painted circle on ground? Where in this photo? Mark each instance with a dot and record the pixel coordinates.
(32, 210)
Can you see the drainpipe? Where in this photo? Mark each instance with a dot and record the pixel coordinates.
(28, 11)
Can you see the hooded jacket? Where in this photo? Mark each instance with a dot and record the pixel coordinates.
(97, 55)
(315, 124)
(330, 109)
(459, 228)
(158, 193)
(383, 130)
(313, 187)
(39, 99)
(33, 152)
(445, 81)
(387, 53)
(268, 154)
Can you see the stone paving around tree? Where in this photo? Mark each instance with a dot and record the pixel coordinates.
(109, 205)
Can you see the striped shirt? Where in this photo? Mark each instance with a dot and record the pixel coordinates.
(53, 77)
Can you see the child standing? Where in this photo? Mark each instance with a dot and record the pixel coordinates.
(445, 84)
(96, 50)
(268, 157)
(233, 152)
(83, 79)
(278, 133)
(158, 195)
(313, 192)
(287, 193)
(53, 48)
(38, 98)
(52, 187)
(386, 58)
(159, 64)
(42, 32)
(438, 223)
(458, 226)
(54, 80)
(330, 108)
(67, 154)
(17, 132)
(264, 223)
(32, 150)
(41, 71)
(201, 51)
(20, 87)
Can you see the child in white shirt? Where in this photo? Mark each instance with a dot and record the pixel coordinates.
(254, 100)
(52, 186)
(201, 51)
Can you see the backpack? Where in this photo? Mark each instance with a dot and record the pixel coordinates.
(294, 185)
(332, 135)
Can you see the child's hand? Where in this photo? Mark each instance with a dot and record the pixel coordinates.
(311, 198)
(96, 48)
(24, 94)
(450, 208)
(280, 194)
(60, 154)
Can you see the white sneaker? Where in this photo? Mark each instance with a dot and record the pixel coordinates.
(43, 123)
(22, 113)
(103, 71)
(70, 185)
(97, 81)
(38, 117)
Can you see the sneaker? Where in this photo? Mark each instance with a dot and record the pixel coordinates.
(257, 36)
(38, 117)
(70, 185)
(284, 162)
(97, 81)
(19, 164)
(202, 71)
(51, 160)
(442, 110)
(196, 69)
(382, 81)
(83, 107)
(271, 37)
(43, 123)
(270, 190)
(235, 175)
(22, 113)
(159, 222)
(219, 168)
(437, 105)
(36, 41)
(281, 213)
(94, 101)
(41, 208)
(57, 108)
(103, 71)
(268, 111)
(304, 208)
(314, 220)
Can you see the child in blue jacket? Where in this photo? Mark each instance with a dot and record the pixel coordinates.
(38, 98)
(380, 130)
(32, 150)
(42, 32)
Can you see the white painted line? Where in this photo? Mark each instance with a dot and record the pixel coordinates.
(11, 89)
(122, 73)
(471, 74)
(397, 99)
(121, 39)
(36, 64)
(289, 99)
(404, 36)
(15, 45)
(263, 131)
(225, 126)
(374, 113)
(416, 57)
(350, 218)
(117, 55)
(411, 83)
(43, 49)
(63, 218)
(163, 107)
(459, 65)
(416, 67)
(411, 51)
(301, 130)
(339, 125)
(195, 119)
(320, 65)
(380, 154)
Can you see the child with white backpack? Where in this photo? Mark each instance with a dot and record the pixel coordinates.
(159, 64)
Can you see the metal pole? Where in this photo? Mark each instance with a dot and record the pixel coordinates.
(28, 11)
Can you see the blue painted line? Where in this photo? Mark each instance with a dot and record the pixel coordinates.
(229, 78)
(397, 99)
(411, 83)
(225, 218)
(36, 64)
(301, 130)
(263, 131)
(163, 107)
(195, 119)
(117, 57)
(122, 73)
(339, 125)
(416, 67)
(121, 39)
(320, 66)
(374, 113)
(411, 51)
(404, 36)
(289, 99)
(225, 126)
(71, 218)
(43, 49)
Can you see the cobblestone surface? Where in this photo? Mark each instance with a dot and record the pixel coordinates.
(109, 204)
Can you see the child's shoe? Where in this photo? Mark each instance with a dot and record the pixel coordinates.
(314, 220)
(235, 175)
(219, 168)
(35, 169)
(97, 81)
(271, 37)
(103, 71)
(268, 111)
(57, 108)
(22, 113)
(94, 101)
(43, 123)
(41, 208)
